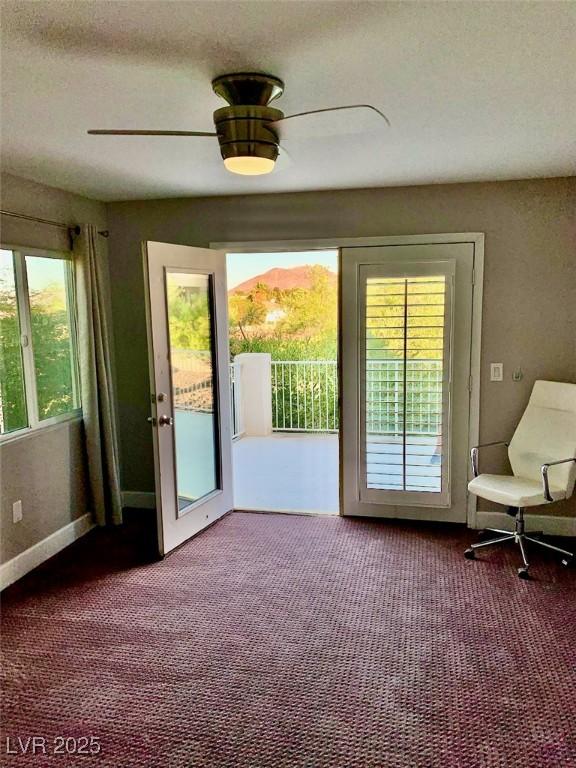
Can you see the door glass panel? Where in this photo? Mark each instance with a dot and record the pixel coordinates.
(192, 358)
(405, 331)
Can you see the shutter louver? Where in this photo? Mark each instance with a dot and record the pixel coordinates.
(404, 345)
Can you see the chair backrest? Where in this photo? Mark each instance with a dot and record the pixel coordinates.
(547, 432)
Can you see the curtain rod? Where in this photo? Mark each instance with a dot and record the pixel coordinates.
(75, 229)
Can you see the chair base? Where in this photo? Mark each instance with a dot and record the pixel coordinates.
(519, 537)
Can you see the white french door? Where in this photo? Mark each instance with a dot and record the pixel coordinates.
(406, 350)
(190, 400)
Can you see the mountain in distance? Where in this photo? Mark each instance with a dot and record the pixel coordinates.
(278, 277)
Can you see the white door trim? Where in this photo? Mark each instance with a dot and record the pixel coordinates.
(476, 238)
(327, 243)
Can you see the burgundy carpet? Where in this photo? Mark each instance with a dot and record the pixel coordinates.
(275, 641)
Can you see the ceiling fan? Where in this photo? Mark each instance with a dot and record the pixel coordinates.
(249, 131)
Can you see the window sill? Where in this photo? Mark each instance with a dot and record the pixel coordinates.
(41, 428)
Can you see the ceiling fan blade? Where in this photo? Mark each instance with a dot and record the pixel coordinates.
(102, 132)
(354, 118)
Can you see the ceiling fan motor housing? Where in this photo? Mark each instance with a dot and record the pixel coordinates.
(245, 127)
(246, 131)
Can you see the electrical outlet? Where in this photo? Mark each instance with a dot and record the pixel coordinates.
(496, 371)
(17, 511)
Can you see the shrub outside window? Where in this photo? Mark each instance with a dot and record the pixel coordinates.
(38, 359)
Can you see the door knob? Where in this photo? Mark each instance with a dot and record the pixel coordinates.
(165, 421)
(151, 420)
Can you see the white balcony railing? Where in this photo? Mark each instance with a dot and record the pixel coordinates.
(386, 411)
(305, 396)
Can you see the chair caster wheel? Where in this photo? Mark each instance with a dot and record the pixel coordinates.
(523, 573)
(469, 554)
(568, 562)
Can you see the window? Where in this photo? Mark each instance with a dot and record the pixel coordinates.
(38, 366)
(13, 412)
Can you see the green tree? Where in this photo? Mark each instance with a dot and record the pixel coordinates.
(308, 330)
(189, 317)
(312, 313)
(52, 355)
(245, 310)
(12, 396)
(52, 352)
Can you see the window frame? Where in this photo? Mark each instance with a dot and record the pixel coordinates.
(36, 424)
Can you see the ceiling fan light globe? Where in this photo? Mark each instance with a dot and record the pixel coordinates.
(249, 165)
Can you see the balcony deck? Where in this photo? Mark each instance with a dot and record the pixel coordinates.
(298, 472)
(295, 469)
(287, 472)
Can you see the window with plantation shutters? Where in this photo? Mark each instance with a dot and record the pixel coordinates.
(405, 388)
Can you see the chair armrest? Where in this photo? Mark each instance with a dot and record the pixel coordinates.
(544, 470)
(474, 454)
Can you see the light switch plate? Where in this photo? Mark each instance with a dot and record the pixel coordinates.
(496, 371)
(17, 511)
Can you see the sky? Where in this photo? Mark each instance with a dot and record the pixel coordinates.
(42, 271)
(242, 266)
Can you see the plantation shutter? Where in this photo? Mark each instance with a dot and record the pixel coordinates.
(405, 387)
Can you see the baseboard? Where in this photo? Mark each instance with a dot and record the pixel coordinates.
(550, 524)
(35, 555)
(139, 499)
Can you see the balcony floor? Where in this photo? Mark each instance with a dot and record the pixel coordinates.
(287, 472)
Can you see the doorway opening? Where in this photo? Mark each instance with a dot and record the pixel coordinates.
(283, 334)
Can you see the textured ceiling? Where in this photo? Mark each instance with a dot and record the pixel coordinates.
(474, 91)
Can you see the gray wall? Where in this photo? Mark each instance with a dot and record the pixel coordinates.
(529, 291)
(46, 469)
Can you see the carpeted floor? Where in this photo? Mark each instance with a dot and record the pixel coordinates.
(275, 641)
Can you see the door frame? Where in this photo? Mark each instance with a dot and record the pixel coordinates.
(475, 238)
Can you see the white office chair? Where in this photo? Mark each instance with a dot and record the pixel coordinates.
(542, 454)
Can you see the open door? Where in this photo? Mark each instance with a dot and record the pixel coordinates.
(190, 399)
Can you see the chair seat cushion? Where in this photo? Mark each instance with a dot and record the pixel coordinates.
(512, 491)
